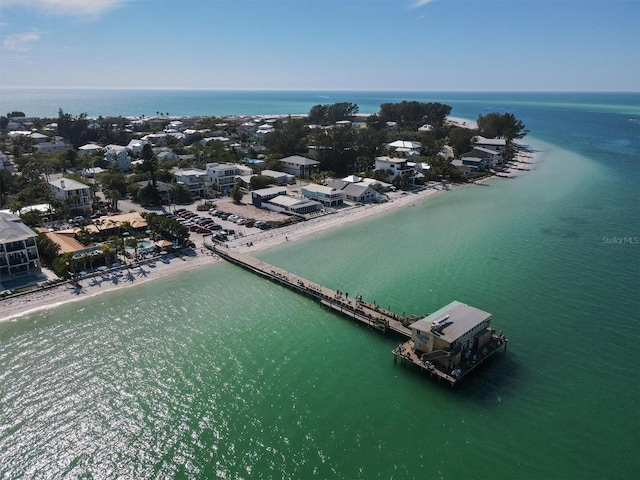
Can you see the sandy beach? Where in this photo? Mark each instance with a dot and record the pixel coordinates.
(97, 284)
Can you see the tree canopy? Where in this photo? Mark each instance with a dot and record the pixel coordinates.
(330, 114)
(504, 125)
(411, 115)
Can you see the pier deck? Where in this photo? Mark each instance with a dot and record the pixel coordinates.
(357, 308)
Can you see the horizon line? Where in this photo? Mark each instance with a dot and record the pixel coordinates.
(178, 89)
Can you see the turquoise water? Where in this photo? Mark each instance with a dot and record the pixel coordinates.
(219, 373)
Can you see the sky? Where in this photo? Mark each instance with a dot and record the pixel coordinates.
(410, 45)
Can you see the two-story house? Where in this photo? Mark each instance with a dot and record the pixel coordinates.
(327, 196)
(75, 194)
(298, 166)
(394, 167)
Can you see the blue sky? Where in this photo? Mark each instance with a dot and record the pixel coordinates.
(437, 45)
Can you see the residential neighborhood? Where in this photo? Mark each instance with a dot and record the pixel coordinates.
(69, 180)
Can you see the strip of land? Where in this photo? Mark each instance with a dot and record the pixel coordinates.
(17, 306)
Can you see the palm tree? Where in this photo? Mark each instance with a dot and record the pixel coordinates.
(113, 196)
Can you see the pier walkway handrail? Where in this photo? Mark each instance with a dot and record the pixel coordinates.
(360, 310)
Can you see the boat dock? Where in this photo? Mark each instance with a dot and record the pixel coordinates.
(356, 308)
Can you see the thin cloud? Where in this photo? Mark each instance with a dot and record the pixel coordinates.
(420, 3)
(20, 42)
(91, 8)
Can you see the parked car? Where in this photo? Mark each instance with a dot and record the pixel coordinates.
(249, 223)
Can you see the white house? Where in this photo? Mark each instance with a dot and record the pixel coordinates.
(54, 146)
(156, 138)
(194, 179)
(355, 189)
(405, 148)
(396, 166)
(328, 196)
(38, 137)
(136, 145)
(89, 149)
(78, 195)
(118, 156)
(222, 176)
(361, 193)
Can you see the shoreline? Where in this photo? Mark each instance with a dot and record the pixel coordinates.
(11, 309)
(40, 300)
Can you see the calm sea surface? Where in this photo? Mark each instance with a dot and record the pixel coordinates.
(218, 373)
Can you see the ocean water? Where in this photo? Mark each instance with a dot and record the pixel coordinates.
(219, 373)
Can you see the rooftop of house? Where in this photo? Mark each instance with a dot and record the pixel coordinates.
(314, 187)
(13, 230)
(298, 160)
(270, 191)
(498, 142)
(391, 159)
(68, 184)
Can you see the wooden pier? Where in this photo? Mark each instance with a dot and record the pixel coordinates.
(434, 363)
(356, 308)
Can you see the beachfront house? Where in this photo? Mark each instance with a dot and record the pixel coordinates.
(394, 167)
(451, 334)
(361, 193)
(481, 158)
(263, 195)
(356, 190)
(76, 195)
(19, 255)
(300, 207)
(462, 168)
(298, 166)
(328, 196)
(496, 144)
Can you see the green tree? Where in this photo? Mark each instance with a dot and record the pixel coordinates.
(261, 181)
(289, 138)
(32, 218)
(180, 193)
(460, 139)
(149, 163)
(236, 193)
(47, 248)
(113, 196)
(504, 125)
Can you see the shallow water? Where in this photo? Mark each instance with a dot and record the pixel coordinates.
(221, 373)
